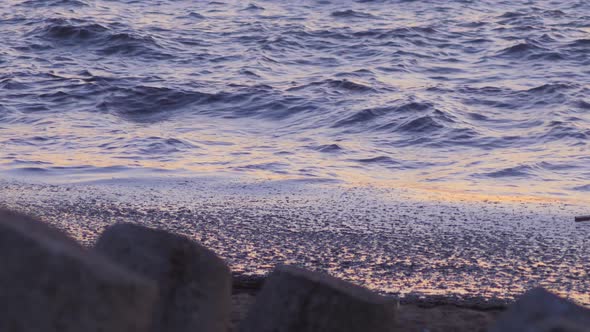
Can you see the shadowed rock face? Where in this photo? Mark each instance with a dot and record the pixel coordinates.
(195, 284)
(541, 311)
(294, 299)
(50, 283)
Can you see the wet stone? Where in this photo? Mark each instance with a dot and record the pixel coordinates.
(48, 283)
(195, 284)
(297, 300)
(541, 311)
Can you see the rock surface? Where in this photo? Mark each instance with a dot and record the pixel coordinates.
(541, 311)
(50, 283)
(195, 284)
(409, 317)
(297, 300)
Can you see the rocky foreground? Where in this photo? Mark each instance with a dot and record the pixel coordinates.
(141, 279)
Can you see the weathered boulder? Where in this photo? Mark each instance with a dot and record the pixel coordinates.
(541, 311)
(50, 283)
(297, 300)
(195, 284)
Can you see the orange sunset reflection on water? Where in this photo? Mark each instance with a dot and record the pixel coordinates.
(249, 149)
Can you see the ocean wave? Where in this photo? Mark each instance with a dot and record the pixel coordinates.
(76, 31)
(551, 88)
(147, 103)
(523, 171)
(352, 14)
(526, 50)
(36, 141)
(560, 130)
(151, 103)
(378, 160)
(584, 188)
(10, 83)
(253, 7)
(157, 145)
(538, 170)
(276, 167)
(328, 148)
(196, 15)
(97, 37)
(580, 43)
(344, 84)
(53, 3)
(370, 114)
(422, 124)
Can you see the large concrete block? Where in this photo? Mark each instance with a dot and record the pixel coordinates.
(195, 284)
(297, 300)
(50, 283)
(541, 311)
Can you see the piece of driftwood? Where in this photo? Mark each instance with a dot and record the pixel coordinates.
(582, 218)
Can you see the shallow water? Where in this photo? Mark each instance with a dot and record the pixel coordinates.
(478, 96)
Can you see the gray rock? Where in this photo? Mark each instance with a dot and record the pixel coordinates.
(195, 284)
(50, 283)
(541, 311)
(297, 300)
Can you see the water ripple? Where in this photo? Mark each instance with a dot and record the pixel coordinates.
(488, 94)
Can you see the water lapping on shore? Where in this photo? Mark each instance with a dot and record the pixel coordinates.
(479, 96)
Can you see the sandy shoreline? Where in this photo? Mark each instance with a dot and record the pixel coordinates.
(478, 254)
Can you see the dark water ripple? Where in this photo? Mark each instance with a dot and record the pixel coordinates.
(483, 95)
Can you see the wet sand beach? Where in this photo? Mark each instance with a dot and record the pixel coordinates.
(424, 246)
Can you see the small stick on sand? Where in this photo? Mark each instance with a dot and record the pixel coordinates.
(582, 218)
